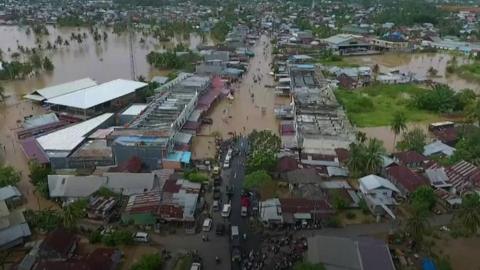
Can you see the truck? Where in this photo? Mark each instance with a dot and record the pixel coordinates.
(235, 244)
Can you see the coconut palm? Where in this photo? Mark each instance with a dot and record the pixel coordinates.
(356, 159)
(72, 213)
(373, 156)
(469, 213)
(417, 224)
(398, 125)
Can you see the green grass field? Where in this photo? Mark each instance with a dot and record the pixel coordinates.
(375, 105)
(469, 72)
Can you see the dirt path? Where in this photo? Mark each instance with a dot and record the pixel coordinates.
(11, 115)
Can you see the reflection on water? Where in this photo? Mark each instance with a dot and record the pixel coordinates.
(102, 61)
(419, 63)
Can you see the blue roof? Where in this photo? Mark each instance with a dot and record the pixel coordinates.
(180, 156)
(305, 66)
(125, 140)
(428, 264)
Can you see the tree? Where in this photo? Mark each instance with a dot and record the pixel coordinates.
(373, 156)
(47, 64)
(375, 70)
(365, 158)
(423, 197)
(8, 176)
(398, 125)
(414, 140)
(257, 179)
(339, 203)
(469, 213)
(220, 30)
(440, 99)
(73, 212)
(148, 262)
(417, 224)
(468, 148)
(39, 177)
(308, 266)
(472, 111)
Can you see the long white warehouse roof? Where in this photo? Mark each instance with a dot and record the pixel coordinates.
(61, 89)
(70, 137)
(92, 96)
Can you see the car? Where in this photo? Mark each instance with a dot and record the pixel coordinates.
(216, 205)
(207, 225)
(235, 234)
(226, 210)
(244, 211)
(220, 229)
(196, 266)
(141, 237)
(217, 181)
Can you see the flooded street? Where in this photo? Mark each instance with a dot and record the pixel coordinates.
(386, 135)
(419, 63)
(244, 113)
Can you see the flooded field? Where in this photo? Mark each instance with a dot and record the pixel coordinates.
(419, 64)
(102, 61)
(386, 135)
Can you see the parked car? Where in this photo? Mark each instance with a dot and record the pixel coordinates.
(226, 210)
(141, 237)
(196, 266)
(217, 194)
(217, 181)
(207, 225)
(216, 205)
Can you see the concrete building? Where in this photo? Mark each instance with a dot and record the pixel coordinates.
(152, 135)
(321, 124)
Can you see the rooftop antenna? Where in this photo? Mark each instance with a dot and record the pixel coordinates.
(130, 47)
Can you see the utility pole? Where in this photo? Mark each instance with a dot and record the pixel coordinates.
(130, 44)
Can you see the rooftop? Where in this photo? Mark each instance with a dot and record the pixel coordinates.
(96, 95)
(60, 89)
(69, 138)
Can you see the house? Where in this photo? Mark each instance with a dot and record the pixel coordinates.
(14, 229)
(337, 253)
(463, 176)
(304, 211)
(379, 194)
(405, 179)
(60, 89)
(438, 148)
(445, 132)
(179, 201)
(410, 159)
(100, 258)
(11, 195)
(347, 44)
(59, 245)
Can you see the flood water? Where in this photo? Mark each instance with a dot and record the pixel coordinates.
(102, 61)
(419, 63)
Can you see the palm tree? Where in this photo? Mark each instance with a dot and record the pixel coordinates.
(472, 112)
(356, 159)
(373, 156)
(417, 224)
(398, 125)
(469, 213)
(72, 213)
(375, 70)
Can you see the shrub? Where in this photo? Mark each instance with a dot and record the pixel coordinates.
(350, 215)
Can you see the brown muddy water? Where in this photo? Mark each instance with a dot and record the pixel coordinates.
(419, 63)
(102, 61)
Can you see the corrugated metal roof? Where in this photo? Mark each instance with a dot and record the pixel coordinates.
(92, 96)
(70, 137)
(135, 109)
(61, 89)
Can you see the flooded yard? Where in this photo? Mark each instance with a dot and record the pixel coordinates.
(419, 63)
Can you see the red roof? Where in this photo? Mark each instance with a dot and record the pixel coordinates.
(447, 135)
(99, 259)
(171, 186)
(300, 205)
(406, 178)
(409, 157)
(286, 164)
(342, 154)
(60, 241)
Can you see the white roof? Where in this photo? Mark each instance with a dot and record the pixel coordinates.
(62, 89)
(92, 96)
(74, 186)
(70, 137)
(135, 109)
(371, 182)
